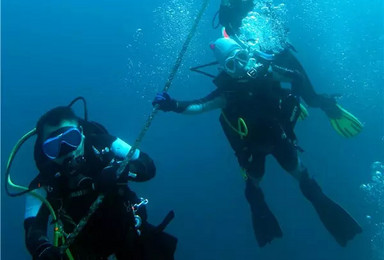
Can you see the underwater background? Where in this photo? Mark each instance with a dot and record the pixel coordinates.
(118, 54)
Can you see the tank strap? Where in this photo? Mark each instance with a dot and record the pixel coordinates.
(168, 218)
(197, 69)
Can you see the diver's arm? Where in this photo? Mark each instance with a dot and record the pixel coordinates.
(140, 168)
(200, 106)
(304, 88)
(214, 100)
(287, 68)
(35, 224)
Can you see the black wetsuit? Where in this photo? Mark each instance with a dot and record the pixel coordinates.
(110, 230)
(261, 104)
(269, 112)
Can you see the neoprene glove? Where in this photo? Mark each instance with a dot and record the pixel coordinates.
(107, 180)
(329, 105)
(50, 252)
(164, 102)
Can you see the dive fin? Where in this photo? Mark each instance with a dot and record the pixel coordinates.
(303, 112)
(346, 125)
(265, 224)
(335, 219)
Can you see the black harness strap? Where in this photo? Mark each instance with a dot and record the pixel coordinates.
(168, 218)
(197, 69)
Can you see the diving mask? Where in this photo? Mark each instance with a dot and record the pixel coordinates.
(236, 62)
(62, 141)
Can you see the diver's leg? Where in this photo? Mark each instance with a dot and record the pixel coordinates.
(157, 244)
(130, 247)
(265, 225)
(285, 153)
(151, 244)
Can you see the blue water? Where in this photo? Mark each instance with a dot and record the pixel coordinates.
(118, 54)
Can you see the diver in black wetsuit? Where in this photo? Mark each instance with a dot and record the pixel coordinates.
(78, 161)
(283, 60)
(258, 118)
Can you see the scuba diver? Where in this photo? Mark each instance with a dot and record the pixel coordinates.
(258, 118)
(78, 161)
(231, 15)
